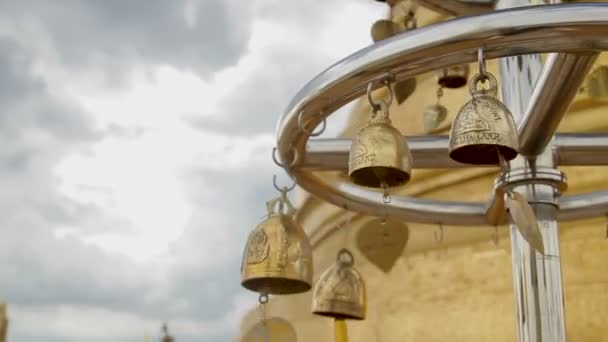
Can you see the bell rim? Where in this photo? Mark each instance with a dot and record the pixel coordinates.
(453, 82)
(340, 316)
(281, 286)
(356, 178)
(455, 154)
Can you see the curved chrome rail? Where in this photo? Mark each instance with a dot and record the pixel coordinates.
(576, 31)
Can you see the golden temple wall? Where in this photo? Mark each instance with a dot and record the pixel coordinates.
(459, 289)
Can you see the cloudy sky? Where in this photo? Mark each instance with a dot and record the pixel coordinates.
(135, 154)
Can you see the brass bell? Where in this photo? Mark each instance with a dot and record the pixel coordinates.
(278, 254)
(383, 29)
(597, 83)
(483, 128)
(379, 157)
(340, 292)
(454, 76)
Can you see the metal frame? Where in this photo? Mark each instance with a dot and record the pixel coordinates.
(537, 95)
(576, 32)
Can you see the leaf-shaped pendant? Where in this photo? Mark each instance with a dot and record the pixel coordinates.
(524, 219)
(382, 242)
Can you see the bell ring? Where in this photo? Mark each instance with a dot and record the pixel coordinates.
(379, 156)
(483, 128)
(278, 255)
(340, 292)
(433, 116)
(453, 77)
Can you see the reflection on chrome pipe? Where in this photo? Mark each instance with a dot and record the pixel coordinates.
(581, 149)
(332, 154)
(536, 278)
(579, 207)
(555, 89)
(430, 152)
(458, 8)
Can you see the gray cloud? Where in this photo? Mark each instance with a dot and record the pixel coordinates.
(203, 36)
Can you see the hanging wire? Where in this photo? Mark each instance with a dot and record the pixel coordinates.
(495, 239)
(482, 65)
(263, 300)
(439, 233)
(378, 105)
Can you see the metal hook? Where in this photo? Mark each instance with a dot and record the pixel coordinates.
(482, 63)
(377, 105)
(284, 188)
(311, 133)
(439, 233)
(290, 165)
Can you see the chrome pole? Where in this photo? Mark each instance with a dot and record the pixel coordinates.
(537, 278)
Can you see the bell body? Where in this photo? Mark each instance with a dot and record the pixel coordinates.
(340, 291)
(483, 128)
(277, 258)
(454, 76)
(379, 156)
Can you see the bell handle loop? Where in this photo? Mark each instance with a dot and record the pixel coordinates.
(293, 162)
(345, 257)
(285, 201)
(481, 78)
(311, 133)
(380, 104)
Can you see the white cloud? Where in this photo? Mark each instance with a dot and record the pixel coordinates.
(142, 156)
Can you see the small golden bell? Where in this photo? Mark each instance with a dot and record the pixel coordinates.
(453, 77)
(379, 156)
(483, 128)
(340, 292)
(383, 29)
(597, 83)
(278, 254)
